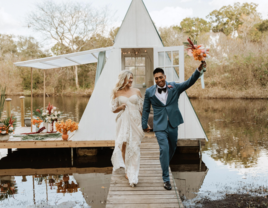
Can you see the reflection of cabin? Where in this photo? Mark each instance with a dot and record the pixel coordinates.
(90, 175)
(95, 188)
(137, 47)
(189, 172)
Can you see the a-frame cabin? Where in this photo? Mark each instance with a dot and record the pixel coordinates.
(138, 47)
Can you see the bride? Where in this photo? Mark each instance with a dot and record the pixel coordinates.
(128, 102)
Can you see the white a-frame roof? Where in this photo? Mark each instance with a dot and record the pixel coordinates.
(72, 59)
(137, 29)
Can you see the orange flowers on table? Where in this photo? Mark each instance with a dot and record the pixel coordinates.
(37, 122)
(64, 127)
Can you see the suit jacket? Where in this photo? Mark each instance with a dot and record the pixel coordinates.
(170, 111)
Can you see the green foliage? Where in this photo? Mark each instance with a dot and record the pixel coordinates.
(227, 19)
(193, 26)
(263, 26)
(38, 114)
(7, 45)
(2, 100)
(38, 136)
(25, 74)
(28, 47)
(12, 120)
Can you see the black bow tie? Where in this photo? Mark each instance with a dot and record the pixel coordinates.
(161, 90)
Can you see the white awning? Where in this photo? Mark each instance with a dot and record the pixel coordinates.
(72, 59)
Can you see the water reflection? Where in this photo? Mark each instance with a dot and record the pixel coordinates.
(237, 151)
(237, 130)
(189, 172)
(45, 178)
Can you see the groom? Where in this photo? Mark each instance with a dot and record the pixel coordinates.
(167, 117)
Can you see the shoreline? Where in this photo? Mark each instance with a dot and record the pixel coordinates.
(192, 94)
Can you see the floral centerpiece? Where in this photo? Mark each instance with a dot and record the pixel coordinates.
(37, 123)
(48, 116)
(9, 125)
(64, 127)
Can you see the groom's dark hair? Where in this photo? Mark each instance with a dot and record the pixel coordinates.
(158, 70)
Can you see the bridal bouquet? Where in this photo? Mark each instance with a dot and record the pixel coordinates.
(199, 52)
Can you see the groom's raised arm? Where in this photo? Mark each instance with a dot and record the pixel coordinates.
(188, 83)
(146, 110)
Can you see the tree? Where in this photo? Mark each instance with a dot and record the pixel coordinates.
(228, 18)
(7, 45)
(69, 24)
(193, 26)
(247, 31)
(262, 26)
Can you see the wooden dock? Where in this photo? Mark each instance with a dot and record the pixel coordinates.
(149, 193)
(7, 143)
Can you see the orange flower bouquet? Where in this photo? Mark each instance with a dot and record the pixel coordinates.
(64, 127)
(37, 123)
(199, 52)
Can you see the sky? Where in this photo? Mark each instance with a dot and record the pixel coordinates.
(13, 13)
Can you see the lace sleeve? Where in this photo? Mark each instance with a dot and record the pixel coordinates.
(114, 104)
(140, 103)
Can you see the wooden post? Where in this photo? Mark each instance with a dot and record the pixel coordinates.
(200, 155)
(72, 156)
(8, 107)
(33, 190)
(31, 99)
(44, 90)
(22, 110)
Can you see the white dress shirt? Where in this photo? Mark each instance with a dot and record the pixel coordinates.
(163, 96)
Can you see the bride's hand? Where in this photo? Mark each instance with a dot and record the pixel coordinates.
(123, 106)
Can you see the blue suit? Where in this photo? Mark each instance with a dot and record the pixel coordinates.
(167, 118)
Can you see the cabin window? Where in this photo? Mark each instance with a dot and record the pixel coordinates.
(169, 61)
(137, 66)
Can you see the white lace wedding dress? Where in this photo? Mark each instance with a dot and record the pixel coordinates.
(129, 130)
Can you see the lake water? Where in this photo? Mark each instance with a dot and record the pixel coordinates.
(234, 160)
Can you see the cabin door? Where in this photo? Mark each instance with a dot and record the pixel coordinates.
(139, 62)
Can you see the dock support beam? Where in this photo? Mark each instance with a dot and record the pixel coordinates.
(9, 151)
(31, 99)
(72, 156)
(200, 155)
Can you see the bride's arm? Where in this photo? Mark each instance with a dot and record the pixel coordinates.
(120, 108)
(115, 107)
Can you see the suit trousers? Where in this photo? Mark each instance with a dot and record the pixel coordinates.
(167, 141)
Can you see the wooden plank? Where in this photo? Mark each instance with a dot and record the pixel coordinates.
(54, 144)
(174, 205)
(54, 171)
(140, 193)
(143, 197)
(138, 200)
(138, 188)
(157, 184)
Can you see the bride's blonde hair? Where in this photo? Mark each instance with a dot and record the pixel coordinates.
(121, 79)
